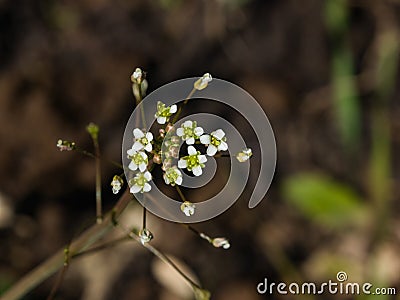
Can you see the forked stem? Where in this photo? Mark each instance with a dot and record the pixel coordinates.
(82, 243)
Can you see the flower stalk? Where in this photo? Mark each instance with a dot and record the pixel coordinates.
(93, 130)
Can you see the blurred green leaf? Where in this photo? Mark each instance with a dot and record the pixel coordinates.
(346, 98)
(336, 14)
(324, 200)
(387, 63)
(344, 90)
(380, 166)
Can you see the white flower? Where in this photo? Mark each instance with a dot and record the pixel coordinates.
(189, 132)
(140, 183)
(116, 184)
(244, 155)
(142, 140)
(163, 113)
(193, 162)
(65, 145)
(188, 208)
(202, 82)
(216, 141)
(138, 159)
(137, 76)
(145, 236)
(173, 176)
(221, 242)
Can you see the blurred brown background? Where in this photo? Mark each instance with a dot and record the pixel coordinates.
(326, 74)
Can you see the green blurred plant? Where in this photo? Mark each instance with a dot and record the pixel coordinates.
(344, 91)
(324, 200)
(334, 204)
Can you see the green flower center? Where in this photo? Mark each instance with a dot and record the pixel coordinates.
(193, 161)
(165, 112)
(144, 141)
(216, 142)
(138, 159)
(140, 180)
(172, 175)
(188, 131)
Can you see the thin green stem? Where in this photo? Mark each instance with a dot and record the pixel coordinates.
(52, 264)
(163, 257)
(183, 104)
(198, 233)
(92, 155)
(139, 98)
(60, 276)
(143, 116)
(169, 262)
(183, 198)
(187, 226)
(144, 217)
(98, 248)
(99, 212)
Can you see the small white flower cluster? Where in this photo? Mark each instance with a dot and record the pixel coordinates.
(164, 112)
(202, 82)
(147, 150)
(65, 145)
(244, 155)
(190, 132)
(116, 184)
(194, 162)
(139, 160)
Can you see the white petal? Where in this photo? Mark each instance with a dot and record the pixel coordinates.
(161, 120)
(137, 146)
(190, 141)
(197, 171)
(149, 136)
(147, 187)
(130, 152)
(173, 109)
(148, 147)
(142, 154)
(166, 178)
(138, 133)
(179, 131)
(202, 159)
(142, 167)
(223, 146)
(182, 163)
(147, 175)
(135, 189)
(192, 150)
(132, 166)
(198, 131)
(179, 180)
(188, 124)
(211, 150)
(219, 134)
(205, 139)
